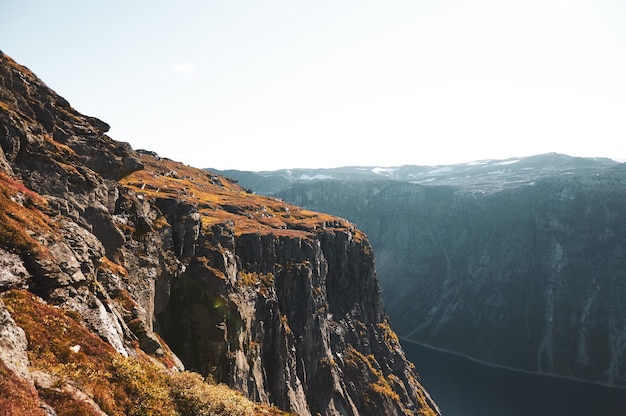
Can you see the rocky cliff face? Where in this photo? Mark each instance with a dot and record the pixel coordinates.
(522, 267)
(119, 269)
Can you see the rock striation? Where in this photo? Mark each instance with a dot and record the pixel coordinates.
(120, 269)
(517, 263)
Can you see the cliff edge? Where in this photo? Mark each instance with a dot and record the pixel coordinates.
(120, 269)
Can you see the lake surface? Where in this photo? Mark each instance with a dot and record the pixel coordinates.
(462, 387)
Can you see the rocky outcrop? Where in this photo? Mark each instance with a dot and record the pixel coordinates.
(13, 345)
(525, 274)
(293, 319)
(115, 262)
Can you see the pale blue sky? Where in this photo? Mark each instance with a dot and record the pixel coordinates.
(281, 84)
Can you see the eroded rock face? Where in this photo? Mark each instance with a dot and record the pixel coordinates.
(73, 167)
(13, 345)
(154, 257)
(13, 273)
(526, 274)
(42, 132)
(297, 322)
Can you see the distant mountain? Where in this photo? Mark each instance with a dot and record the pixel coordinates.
(517, 262)
(485, 175)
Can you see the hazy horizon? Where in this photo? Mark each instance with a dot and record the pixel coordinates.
(469, 162)
(278, 85)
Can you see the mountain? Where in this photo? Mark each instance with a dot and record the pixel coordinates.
(482, 175)
(517, 263)
(121, 268)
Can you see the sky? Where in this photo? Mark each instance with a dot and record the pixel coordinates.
(263, 85)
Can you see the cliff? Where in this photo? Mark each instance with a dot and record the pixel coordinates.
(121, 268)
(517, 263)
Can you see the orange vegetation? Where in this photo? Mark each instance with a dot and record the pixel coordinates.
(21, 218)
(107, 264)
(220, 200)
(17, 398)
(381, 385)
(78, 360)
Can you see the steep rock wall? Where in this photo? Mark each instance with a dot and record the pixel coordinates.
(529, 277)
(292, 318)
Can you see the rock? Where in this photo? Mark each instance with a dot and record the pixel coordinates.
(45, 381)
(13, 345)
(290, 311)
(13, 274)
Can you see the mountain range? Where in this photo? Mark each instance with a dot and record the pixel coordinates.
(517, 263)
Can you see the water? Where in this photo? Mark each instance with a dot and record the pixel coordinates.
(462, 387)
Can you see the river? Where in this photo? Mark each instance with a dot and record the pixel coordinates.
(462, 387)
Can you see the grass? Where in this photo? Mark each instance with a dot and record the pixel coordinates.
(119, 386)
(108, 265)
(22, 219)
(193, 396)
(380, 384)
(17, 398)
(5, 106)
(391, 338)
(220, 200)
(383, 385)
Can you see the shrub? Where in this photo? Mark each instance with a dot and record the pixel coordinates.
(118, 385)
(195, 397)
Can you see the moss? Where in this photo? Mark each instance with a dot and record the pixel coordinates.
(263, 282)
(125, 300)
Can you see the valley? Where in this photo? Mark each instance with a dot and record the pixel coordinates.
(517, 263)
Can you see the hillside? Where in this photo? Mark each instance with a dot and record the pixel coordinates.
(120, 269)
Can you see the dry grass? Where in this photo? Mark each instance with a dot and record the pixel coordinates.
(106, 264)
(63, 150)
(220, 200)
(380, 385)
(16, 397)
(193, 396)
(118, 385)
(22, 219)
(253, 279)
(391, 338)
